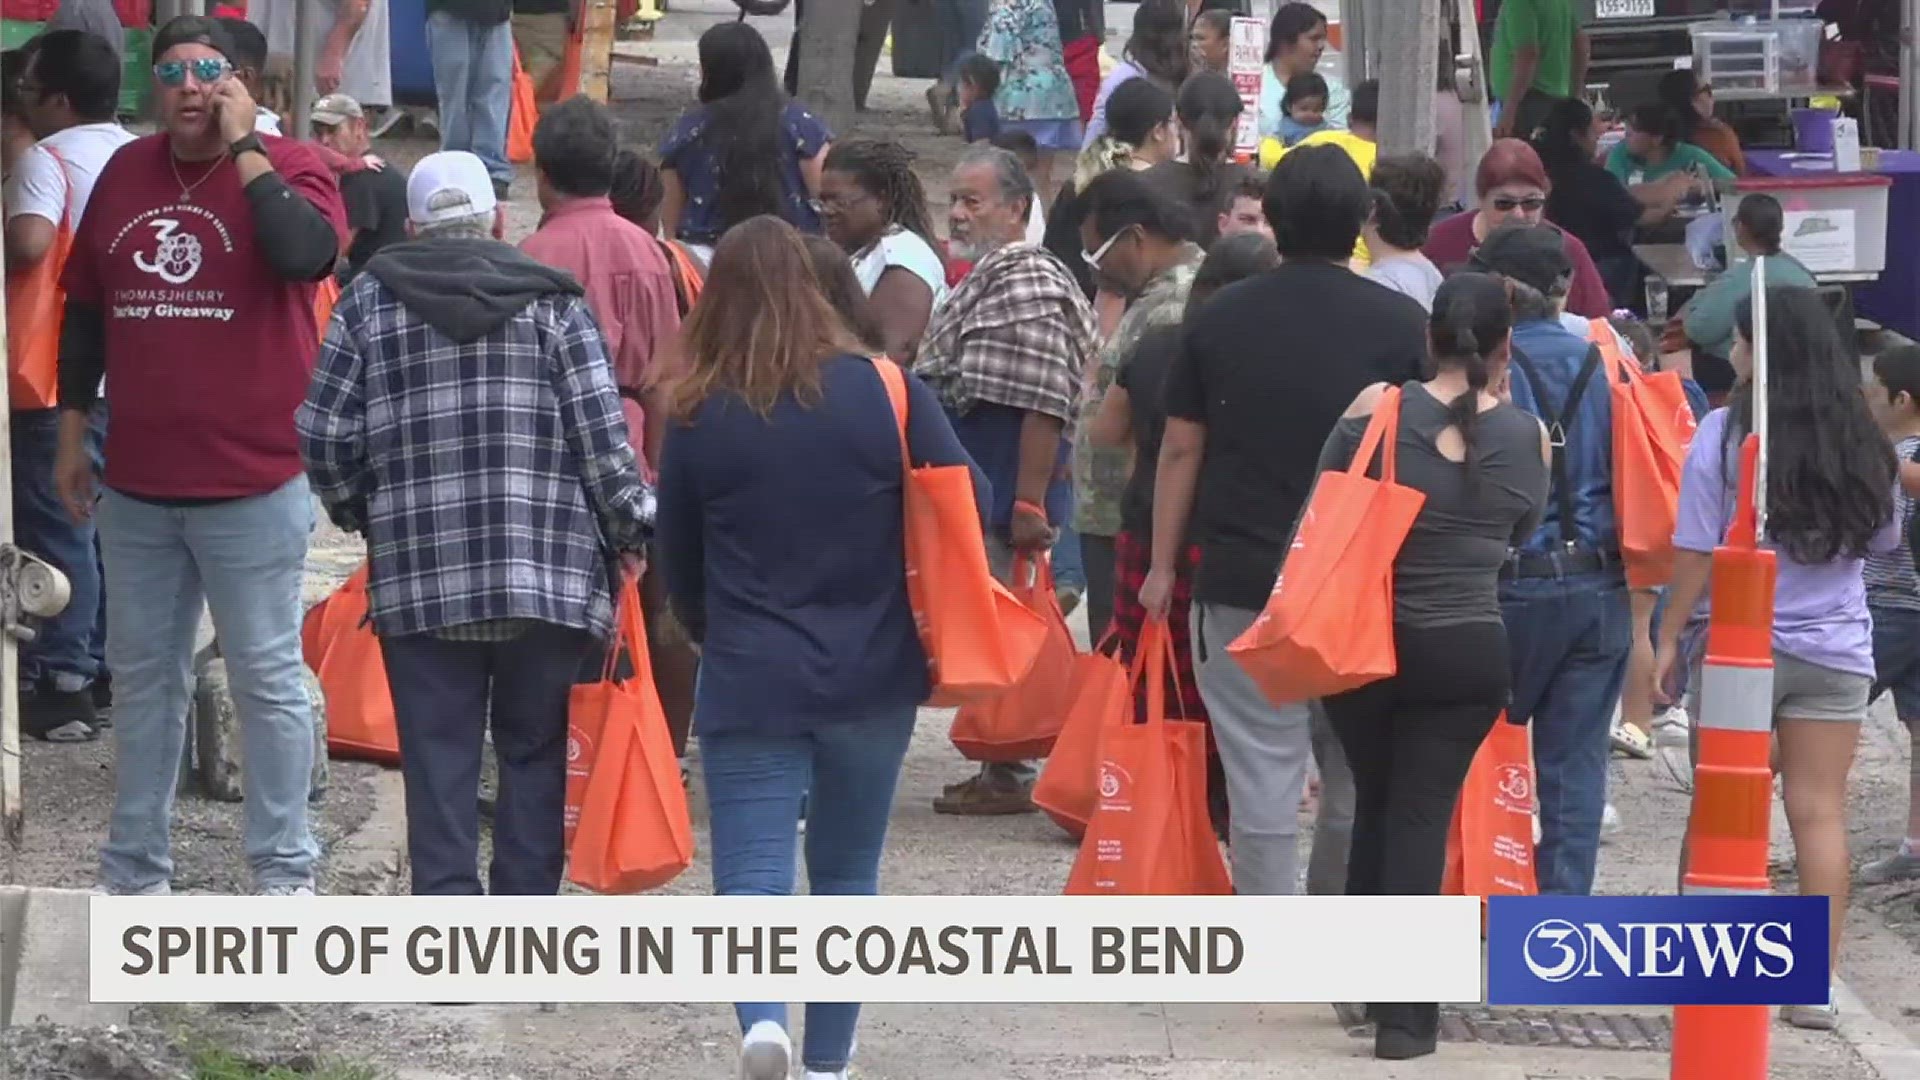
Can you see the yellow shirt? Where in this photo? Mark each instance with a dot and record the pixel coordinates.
(1362, 151)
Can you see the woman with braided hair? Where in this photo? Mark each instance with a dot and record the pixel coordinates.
(874, 207)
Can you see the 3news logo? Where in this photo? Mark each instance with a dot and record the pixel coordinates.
(1657, 950)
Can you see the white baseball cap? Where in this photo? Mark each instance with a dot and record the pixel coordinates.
(448, 184)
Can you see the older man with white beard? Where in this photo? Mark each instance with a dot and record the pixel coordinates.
(1005, 355)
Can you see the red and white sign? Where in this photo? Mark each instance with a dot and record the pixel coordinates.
(1246, 56)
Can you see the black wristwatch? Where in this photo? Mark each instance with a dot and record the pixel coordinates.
(249, 142)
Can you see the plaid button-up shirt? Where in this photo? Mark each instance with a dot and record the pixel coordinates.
(492, 479)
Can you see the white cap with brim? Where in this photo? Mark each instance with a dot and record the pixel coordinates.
(334, 110)
(446, 185)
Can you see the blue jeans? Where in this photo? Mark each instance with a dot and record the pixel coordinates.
(1069, 568)
(68, 646)
(244, 561)
(446, 694)
(473, 78)
(1569, 637)
(755, 788)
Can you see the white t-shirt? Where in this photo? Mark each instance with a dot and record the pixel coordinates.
(265, 121)
(905, 249)
(39, 184)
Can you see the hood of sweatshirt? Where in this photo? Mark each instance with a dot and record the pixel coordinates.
(466, 288)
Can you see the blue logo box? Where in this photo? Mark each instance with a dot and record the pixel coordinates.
(1657, 950)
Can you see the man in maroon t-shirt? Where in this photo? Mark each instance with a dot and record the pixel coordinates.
(190, 287)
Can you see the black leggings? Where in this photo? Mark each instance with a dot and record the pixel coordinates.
(1409, 740)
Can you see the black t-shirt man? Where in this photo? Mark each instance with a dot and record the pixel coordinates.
(1269, 366)
(1143, 375)
(376, 201)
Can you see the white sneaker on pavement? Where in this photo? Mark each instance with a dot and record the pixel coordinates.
(1671, 728)
(287, 890)
(766, 1053)
(1902, 865)
(161, 888)
(1813, 1017)
(1609, 823)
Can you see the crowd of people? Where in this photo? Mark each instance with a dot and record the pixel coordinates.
(681, 375)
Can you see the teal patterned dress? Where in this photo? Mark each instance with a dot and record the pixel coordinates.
(1036, 94)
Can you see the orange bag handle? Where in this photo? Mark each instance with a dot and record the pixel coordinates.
(1383, 430)
(629, 625)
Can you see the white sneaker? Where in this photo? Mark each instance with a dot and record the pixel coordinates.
(287, 890)
(1609, 823)
(159, 888)
(1813, 1017)
(1903, 864)
(766, 1053)
(1671, 728)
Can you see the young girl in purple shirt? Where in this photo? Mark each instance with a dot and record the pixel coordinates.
(1830, 481)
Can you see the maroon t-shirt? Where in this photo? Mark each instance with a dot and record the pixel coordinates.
(1451, 242)
(208, 351)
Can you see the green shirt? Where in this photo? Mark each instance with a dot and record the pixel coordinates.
(1631, 170)
(1548, 24)
(1711, 313)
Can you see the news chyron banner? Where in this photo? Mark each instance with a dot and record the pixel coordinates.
(381, 949)
(1542, 951)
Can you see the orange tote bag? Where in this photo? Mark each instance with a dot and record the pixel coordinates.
(1149, 834)
(325, 296)
(1490, 845)
(522, 114)
(1652, 427)
(36, 308)
(628, 825)
(1101, 697)
(1328, 626)
(980, 639)
(1023, 723)
(340, 646)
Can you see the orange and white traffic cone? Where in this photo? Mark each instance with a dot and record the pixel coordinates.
(1728, 831)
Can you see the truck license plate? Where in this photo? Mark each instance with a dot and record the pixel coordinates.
(1623, 9)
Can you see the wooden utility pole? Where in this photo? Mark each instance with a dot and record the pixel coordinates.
(1406, 35)
(826, 36)
(597, 31)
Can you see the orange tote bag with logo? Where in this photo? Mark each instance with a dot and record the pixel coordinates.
(523, 112)
(340, 646)
(1101, 697)
(1149, 834)
(1328, 626)
(1490, 846)
(1023, 723)
(1652, 427)
(627, 825)
(980, 639)
(36, 308)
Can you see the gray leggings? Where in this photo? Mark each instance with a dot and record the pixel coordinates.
(1265, 750)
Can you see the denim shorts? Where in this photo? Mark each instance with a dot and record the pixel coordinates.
(1807, 691)
(1896, 657)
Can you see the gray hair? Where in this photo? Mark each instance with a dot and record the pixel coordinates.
(469, 227)
(1015, 184)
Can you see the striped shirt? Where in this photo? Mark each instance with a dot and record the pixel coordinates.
(1891, 578)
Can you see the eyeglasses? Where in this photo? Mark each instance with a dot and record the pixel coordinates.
(834, 205)
(1530, 204)
(206, 71)
(1092, 258)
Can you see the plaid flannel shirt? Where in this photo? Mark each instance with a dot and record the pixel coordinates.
(492, 480)
(1017, 332)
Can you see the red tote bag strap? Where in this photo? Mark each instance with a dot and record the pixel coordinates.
(1382, 434)
(896, 384)
(629, 628)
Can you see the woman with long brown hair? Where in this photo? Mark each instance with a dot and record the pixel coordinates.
(780, 531)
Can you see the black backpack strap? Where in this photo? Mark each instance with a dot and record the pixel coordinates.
(1557, 423)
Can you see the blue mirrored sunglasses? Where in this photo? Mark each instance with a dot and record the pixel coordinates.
(205, 70)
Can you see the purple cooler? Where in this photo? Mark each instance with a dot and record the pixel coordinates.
(1813, 131)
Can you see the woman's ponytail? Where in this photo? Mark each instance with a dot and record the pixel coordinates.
(1471, 317)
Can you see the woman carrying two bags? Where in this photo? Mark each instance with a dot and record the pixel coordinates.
(781, 528)
(1482, 465)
